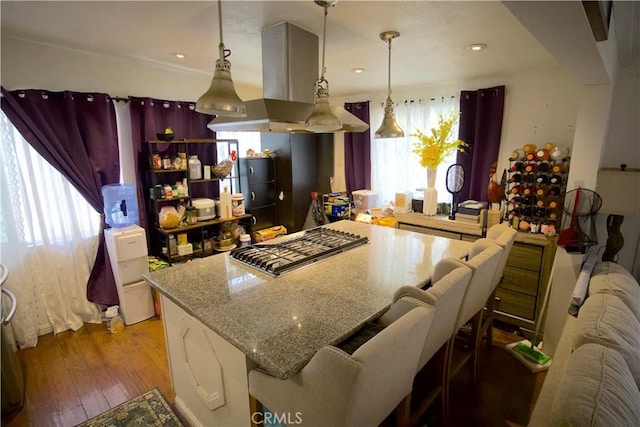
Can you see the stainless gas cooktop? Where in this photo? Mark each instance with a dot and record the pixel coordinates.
(279, 256)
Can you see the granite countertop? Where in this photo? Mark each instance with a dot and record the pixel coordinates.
(281, 322)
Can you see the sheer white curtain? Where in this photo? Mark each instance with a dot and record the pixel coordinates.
(48, 241)
(394, 167)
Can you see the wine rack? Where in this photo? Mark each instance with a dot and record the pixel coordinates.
(536, 184)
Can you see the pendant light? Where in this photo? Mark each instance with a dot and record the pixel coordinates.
(389, 127)
(322, 119)
(221, 98)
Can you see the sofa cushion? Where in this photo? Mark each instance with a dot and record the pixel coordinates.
(596, 389)
(611, 278)
(604, 319)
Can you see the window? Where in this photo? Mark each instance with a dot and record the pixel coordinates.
(246, 141)
(39, 205)
(394, 167)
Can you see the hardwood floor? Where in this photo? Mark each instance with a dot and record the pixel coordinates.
(75, 376)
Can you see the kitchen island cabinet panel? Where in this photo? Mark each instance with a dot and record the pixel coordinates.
(207, 373)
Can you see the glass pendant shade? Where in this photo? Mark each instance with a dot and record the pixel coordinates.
(389, 127)
(221, 99)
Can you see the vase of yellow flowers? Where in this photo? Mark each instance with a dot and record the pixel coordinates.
(433, 149)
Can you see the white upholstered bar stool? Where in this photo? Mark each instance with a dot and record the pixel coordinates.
(504, 236)
(484, 257)
(362, 389)
(449, 280)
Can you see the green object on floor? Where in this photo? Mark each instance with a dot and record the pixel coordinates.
(530, 352)
(529, 355)
(156, 263)
(149, 409)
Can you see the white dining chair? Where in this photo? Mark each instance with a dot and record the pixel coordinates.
(505, 236)
(484, 258)
(449, 280)
(362, 389)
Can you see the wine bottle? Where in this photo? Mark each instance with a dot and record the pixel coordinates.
(542, 154)
(556, 180)
(554, 191)
(542, 179)
(540, 212)
(516, 167)
(517, 154)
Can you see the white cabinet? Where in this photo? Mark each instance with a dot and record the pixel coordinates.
(208, 374)
(127, 249)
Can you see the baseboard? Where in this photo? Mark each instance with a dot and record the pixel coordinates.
(44, 330)
(186, 413)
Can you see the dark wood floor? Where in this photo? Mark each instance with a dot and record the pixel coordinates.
(75, 376)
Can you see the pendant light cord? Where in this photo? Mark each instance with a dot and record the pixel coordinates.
(324, 39)
(221, 50)
(389, 73)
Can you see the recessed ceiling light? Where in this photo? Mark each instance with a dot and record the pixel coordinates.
(179, 55)
(476, 46)
(357, 70)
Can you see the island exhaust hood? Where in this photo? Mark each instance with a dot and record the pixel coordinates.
(289, 72)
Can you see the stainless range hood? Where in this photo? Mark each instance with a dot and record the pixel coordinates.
(289, 72)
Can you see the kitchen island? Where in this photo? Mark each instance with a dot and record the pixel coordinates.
(223, 318)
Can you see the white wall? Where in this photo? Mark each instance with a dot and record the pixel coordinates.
(27, 65)
(622, 145)
(591, 127)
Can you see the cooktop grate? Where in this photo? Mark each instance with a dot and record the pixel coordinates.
(276, 258)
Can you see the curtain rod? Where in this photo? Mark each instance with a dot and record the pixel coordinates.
(118, 99)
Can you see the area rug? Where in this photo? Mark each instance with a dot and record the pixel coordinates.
(149, 409)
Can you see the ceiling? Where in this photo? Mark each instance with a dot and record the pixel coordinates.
(432, 47)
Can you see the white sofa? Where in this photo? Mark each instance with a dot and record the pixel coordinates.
(595, 376)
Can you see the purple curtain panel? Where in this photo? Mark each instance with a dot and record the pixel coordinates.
(481, 113)
(75, 132)
(357, 150)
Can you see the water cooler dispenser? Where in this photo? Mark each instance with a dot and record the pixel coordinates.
(127, 249)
